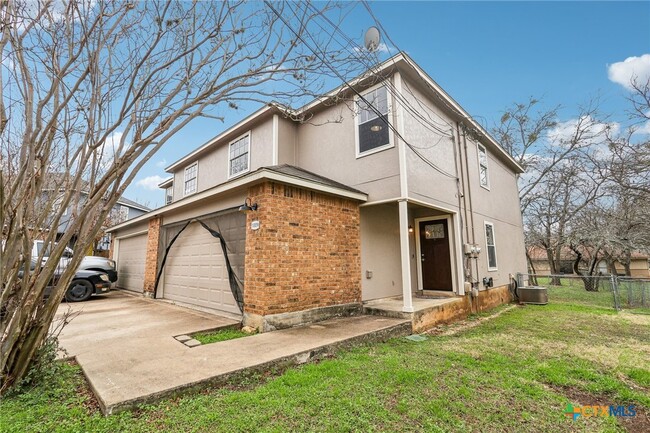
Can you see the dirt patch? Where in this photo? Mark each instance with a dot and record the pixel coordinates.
(464, 325)
(90, 402)
(633, 424)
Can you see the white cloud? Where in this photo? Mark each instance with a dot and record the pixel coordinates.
(161, 163)
(588, 130)
(643, 129)
(381, 48)
(150, 182)
(632, 68)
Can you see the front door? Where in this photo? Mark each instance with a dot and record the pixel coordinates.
(435, 255)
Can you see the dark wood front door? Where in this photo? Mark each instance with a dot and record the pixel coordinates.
(434, 255)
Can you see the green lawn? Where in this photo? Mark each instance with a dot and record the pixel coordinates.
(514, 373)
(220, 335)
(572, 291)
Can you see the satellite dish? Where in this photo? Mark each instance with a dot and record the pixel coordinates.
(371, 40)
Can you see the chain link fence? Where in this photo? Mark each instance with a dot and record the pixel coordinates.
(607, 291)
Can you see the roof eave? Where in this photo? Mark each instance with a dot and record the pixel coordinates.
(257, 176)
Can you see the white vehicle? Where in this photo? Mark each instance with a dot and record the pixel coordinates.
(89, 263)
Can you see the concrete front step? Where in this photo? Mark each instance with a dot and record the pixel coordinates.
(428, 312)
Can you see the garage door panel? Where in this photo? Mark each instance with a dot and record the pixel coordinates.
(195, 271)
(131, 257)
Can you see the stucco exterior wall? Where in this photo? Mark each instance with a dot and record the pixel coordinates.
(499, 205)
(287, 131)
(207, 206)
(424, 182)
(327, 146)
(213, 165)
(380, 252)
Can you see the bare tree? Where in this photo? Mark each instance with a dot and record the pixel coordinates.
(91, 90)
(560, 177)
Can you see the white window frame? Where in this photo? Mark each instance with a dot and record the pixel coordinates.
(248, 160)
(185, 179)
(169, 194)
(389, 104)
(481, 149)
(487, 246)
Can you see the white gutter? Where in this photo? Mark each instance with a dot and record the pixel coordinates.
(255, 177)
(166, 182)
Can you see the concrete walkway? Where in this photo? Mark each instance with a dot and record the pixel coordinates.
(126, 347)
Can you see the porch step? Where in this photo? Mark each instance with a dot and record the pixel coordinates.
(427, 312)
(436, 294)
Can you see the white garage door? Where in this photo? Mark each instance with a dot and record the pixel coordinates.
(195, 270)
(131, 256)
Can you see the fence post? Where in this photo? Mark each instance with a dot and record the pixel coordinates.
(614, 281)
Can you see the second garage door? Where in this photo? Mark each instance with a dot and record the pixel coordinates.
(195, 270)
(131, 256)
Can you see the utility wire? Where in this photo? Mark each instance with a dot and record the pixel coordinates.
(453, 109)
(354, 48)
(323, 59)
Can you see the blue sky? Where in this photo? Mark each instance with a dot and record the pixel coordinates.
(486, 55)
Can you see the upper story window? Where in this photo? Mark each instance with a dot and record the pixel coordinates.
(483, 174)
(491, 246)
(373, 133)
(169, 194)
(191, 172)
(239, 155)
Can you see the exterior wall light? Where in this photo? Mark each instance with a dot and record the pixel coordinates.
(411, 230)
(247, 206)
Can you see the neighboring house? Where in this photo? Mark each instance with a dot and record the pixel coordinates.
(123, 210)
(338, 210)
(639, 263)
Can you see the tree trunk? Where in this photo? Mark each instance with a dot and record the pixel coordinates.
(532, 272)
(554, 267)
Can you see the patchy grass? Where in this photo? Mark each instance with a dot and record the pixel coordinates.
(220, 335)
(573, 291)
(514, 373)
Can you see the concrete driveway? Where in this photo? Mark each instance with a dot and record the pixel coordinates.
(125, 346)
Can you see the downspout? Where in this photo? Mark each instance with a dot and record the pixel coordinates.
(462, 204)
(471, 209)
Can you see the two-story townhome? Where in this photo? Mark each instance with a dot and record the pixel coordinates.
(386, 189)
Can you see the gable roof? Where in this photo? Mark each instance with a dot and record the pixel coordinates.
(134, 204)
(60, 181)
(279, 173)
(400, 62)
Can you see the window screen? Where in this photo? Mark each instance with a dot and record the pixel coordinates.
(239, 155)
(190, 178)
(491, 246)
(373, 123)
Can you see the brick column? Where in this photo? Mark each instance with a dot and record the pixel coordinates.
(305, 254)
(151, 263)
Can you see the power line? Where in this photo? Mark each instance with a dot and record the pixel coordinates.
(354, 48)
(323, 59)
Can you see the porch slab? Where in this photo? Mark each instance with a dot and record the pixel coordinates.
(127, 350)
(427, 312)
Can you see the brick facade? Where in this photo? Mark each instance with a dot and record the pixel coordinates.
(306, 253)
(151, 263)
